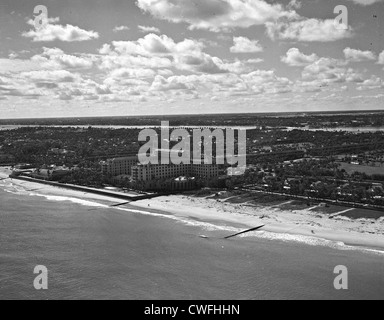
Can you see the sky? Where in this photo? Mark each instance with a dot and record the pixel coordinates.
(150, 57)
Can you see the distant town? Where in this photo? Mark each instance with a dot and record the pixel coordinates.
(328, 157)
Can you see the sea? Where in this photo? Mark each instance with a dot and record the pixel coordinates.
(93, 251)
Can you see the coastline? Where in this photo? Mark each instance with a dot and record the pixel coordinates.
(359, 233)
(57, 191)
(366, 233)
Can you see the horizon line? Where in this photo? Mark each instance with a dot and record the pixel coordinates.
(201, 114)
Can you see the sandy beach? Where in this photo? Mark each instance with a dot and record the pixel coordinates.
(308, 222)
(54, 191)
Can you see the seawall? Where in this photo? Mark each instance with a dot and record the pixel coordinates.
(90, 190)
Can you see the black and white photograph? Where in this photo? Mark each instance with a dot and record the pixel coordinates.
(191, 155)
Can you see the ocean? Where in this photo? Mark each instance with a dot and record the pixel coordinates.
(92, 251)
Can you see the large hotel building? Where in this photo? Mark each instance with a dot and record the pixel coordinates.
(118, 166)
(154, 172)
(139, 172)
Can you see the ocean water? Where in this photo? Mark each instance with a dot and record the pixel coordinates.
(96, 252)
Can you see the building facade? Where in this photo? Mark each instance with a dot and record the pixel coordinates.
(119, 166)
(163, 172)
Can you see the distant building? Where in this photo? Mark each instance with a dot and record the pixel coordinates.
(58, 151)
(181, 184)
(119, 166)
(24, 166)
(52, 173)
(154, 172)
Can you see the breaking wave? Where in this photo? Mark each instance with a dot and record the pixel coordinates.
(206, 226)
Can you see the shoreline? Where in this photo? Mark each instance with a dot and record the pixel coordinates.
(364, 233)
(279, 222)
(56, 191)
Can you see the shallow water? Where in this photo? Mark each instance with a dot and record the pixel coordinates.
(95, 252)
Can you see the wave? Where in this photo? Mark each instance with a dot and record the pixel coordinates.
(79, 201)
(311, 241)
(206, 226)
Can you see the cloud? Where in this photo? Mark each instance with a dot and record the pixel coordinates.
(120, 28)
(162, 84)
(115, 60)
(146, 29)
(295, 58)
(216, 15)
(245, 45)
(46, 85)
(254, 61)
(254, 83)
(266, 81)
(52, 32)
(56, 58)
(295, 4)
(17, 65)
(50, 76)
(381, 58)
(22, 91)
(102, 90)
(153, 44)
(199, 62)
(132, 73)
(328, 70)
(13, 55)
(162, 52)
(366, 2)
(370, 84)
(354, 55)
(65, 96)
(308, 30)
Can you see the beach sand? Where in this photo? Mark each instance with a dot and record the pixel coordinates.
(305, 222)
(56, 191)
(277, 219)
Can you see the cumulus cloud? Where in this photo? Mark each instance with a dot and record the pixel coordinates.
(245, 45)
(52, 32)
(354, 55)
(162, 52)
(295, 58)
(295, 4)
(216, 15)
(27, 93)
(308, 30)
(56, 58)
(282, 22)
(153, 44)
(254, 83)
(366, 2)
(132, 73)
(173, 83)
(328, 70)
(50, 75)
(370, 84)
(17, 65)
(120, 28)
(381, 58)
(267, 81)
(199, 62)
(146, 29)
(46, 85)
